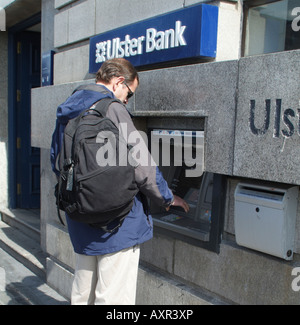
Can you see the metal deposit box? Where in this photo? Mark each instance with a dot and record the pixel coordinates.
(265, 219)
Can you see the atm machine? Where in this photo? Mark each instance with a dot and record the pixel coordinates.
(180, 157)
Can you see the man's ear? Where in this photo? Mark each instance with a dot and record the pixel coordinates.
(117, 81)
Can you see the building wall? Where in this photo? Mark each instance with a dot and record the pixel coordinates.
(72, 62)
(220, 92)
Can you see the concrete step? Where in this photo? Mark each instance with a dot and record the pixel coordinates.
(27, 221)
(20, 286)
(23, 248)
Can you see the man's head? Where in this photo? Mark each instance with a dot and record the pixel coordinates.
(119, 76)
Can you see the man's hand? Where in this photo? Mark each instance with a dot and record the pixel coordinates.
(179, 202)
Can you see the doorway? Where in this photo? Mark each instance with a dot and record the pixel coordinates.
(24, 74)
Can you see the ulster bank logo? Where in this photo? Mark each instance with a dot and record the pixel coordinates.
(2, 20)
(185, 34)
(153, 40)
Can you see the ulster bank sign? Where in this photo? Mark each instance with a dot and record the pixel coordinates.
(185, 34)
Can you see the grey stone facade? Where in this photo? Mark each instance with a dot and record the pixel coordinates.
(267, 143)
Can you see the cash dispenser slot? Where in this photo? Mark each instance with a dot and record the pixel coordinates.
(198, 194)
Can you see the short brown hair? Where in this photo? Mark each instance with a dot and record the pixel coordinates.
(117, 68)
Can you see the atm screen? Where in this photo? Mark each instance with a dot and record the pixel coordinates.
(197, 192)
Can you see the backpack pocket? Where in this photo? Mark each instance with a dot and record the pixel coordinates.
(106, 190)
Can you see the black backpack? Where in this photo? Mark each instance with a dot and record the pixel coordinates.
(88, 190)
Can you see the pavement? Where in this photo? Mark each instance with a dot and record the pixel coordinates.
(20, 286)
(22, 261)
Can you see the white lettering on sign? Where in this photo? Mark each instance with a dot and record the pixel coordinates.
(155, 41)
(164, 40)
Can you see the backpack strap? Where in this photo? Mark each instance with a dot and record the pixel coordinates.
(103, 105)
(101, 108)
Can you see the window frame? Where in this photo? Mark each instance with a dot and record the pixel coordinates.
(249, 4)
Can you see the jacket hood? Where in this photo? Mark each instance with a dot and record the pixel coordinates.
(81, 100)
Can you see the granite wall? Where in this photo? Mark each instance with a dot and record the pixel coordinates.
(251, 107)
(267, 140)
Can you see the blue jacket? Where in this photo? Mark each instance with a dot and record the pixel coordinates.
(137, 227)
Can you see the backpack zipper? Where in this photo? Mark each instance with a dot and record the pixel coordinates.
(92, 174)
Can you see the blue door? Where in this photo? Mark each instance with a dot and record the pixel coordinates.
(28, 60)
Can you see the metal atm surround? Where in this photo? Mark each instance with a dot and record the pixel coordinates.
(203, 225)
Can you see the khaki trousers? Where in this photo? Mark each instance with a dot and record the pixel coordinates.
(106, 280)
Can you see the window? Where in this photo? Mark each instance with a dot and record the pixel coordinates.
(271, 27)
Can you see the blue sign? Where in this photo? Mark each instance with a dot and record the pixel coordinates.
(184, 34)
(47, 68)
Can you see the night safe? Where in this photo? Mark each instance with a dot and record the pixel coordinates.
(265, 219)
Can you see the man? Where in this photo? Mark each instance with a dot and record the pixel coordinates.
(107, 264)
